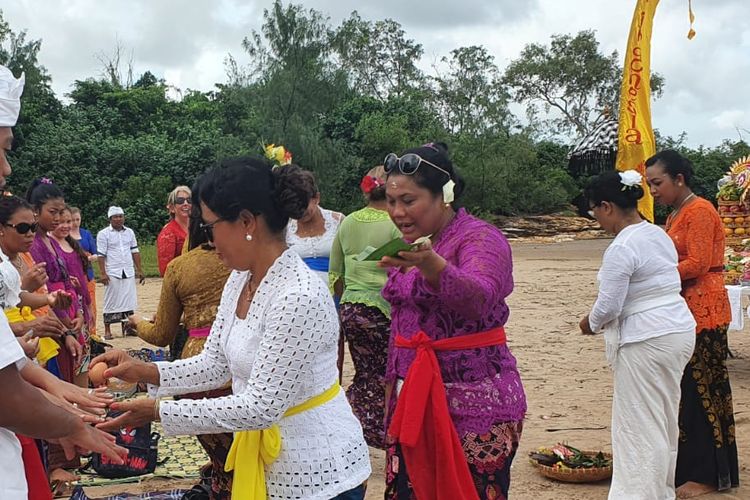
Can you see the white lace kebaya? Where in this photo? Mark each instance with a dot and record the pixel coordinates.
(282, 354)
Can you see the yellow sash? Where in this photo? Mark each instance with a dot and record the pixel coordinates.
(48, 348)
(251, 451)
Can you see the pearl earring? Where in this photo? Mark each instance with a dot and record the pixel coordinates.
(249, 237)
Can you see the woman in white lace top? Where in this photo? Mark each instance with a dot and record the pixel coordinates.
(312, 235)
(275, 336)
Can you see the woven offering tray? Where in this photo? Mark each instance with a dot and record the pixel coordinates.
(562, 472)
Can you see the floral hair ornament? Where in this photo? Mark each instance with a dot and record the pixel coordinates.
(45, 180)
(278, 154)
(369, 183)
(630, 178)
(449, 194)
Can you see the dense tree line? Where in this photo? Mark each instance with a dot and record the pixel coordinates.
(340, 98)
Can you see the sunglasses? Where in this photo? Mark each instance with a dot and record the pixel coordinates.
(23, 227)
(208, 229)
(181, 200)
(407, 164)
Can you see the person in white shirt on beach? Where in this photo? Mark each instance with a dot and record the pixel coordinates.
(649, 336)
(119, 261)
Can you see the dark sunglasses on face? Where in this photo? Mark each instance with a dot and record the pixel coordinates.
(407, 164)
(23, 227)
(181, 200)
(208, 229)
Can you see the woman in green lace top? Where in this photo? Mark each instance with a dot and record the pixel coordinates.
(365, 315)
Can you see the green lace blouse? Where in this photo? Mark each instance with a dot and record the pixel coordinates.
(364, 280)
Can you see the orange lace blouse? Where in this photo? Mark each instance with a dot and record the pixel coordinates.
(698, 235)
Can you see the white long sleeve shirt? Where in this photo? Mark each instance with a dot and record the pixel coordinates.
(283, 353)
(640, 262)
(117, 247)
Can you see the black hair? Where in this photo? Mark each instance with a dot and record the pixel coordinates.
(308, 183)
(249, 183)
(431, 178)
(609, 187)
(377, 194)
(196, 236)
(674, 164)
(42, 190)
(9, 205)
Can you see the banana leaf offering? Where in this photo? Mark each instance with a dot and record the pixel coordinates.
(566, 456)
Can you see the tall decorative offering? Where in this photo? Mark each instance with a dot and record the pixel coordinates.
(735, 215)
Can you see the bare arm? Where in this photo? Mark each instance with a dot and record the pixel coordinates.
(102, 270)
(26, 411)
(137, 262)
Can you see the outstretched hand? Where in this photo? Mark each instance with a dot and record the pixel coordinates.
(135, 413)
(127, 368)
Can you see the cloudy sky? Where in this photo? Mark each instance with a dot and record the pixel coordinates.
(707, 90)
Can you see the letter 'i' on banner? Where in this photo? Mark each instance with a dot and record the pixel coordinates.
(635, 142)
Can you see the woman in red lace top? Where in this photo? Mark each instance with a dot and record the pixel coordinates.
(172, 237)
(707, 452)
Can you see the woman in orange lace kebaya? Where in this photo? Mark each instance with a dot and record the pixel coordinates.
(707, 453)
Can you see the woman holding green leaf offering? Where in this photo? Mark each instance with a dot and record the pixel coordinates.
(364, 313)
(448, 313)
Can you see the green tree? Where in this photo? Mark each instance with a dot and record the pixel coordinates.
(471, 96)
(378, 58)
(572, 79)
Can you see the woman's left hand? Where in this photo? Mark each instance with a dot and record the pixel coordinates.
(423, 257)
(76, 283)
(135, 413)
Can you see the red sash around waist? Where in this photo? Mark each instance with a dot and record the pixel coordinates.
(200, 333)
(421, 422)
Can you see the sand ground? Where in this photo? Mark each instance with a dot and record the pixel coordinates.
(567, 381)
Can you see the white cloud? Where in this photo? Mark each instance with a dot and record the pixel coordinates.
(186, 42)
(731, 119)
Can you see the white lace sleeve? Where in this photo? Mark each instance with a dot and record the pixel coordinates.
(209, 369)
(618, 266)
(296, 324)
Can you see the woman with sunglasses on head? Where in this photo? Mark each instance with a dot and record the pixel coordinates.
(448, 308)
(171, 239)
(311, 236)
(193, 298)
(648, 333)
(275, 337)
(87, 241)
(707, 455)
(76, 262)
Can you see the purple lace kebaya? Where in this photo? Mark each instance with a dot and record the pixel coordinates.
(482, 385)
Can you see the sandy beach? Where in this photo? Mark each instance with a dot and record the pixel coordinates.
(568, 383)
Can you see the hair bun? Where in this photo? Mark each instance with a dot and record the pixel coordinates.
(291, 193)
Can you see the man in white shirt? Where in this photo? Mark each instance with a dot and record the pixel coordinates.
(118, 253)
(25, 410)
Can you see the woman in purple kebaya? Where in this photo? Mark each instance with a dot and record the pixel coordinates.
(448, 307)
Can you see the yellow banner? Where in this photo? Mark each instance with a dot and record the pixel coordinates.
(635, 143)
